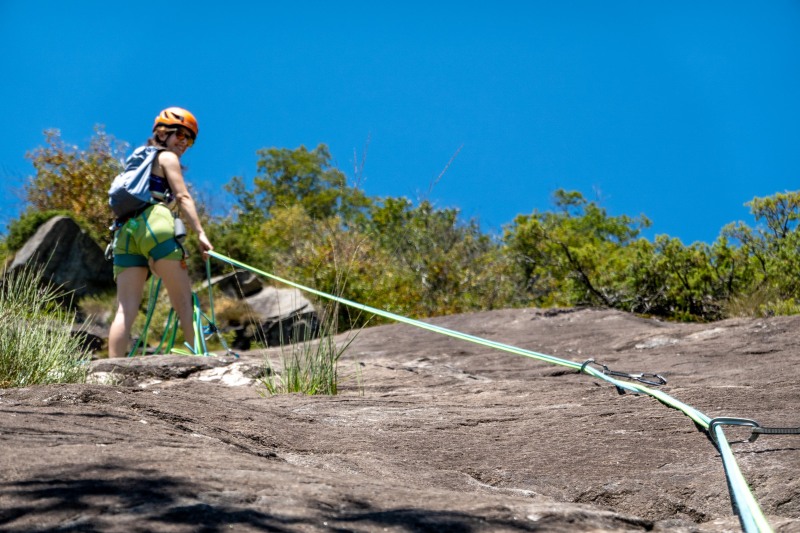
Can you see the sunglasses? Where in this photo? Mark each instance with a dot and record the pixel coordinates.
(182, 134)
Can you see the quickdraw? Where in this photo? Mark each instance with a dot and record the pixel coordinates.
(642, 377)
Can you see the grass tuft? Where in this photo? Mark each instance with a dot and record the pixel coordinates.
(310, 365)
(36, 341)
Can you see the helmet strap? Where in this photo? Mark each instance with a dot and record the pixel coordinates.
(164, 142)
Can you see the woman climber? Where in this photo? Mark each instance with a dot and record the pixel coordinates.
(147, 239)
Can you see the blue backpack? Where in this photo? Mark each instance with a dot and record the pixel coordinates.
(130, 190)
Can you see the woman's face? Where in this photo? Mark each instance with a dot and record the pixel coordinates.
(178, 141)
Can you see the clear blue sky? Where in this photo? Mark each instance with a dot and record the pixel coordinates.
(678, 110)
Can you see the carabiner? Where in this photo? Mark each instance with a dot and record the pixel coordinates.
(649, 378)
(729, 421)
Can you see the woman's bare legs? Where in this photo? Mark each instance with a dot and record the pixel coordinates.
(130, 287)
(179, 287)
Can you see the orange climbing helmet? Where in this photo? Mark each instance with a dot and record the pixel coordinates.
(177, 116)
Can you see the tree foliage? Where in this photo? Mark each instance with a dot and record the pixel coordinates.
(289, 177)
(73, 180)
(579, 255)
(771, 251)
(573, 255)
(454, 266)
(302, 220)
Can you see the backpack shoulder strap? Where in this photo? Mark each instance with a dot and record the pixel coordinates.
(144, 155)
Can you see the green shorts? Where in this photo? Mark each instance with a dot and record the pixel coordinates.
(150, 235)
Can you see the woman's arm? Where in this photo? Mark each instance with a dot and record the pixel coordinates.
(171, 167)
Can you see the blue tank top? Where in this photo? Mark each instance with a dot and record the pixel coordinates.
(159, 189)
